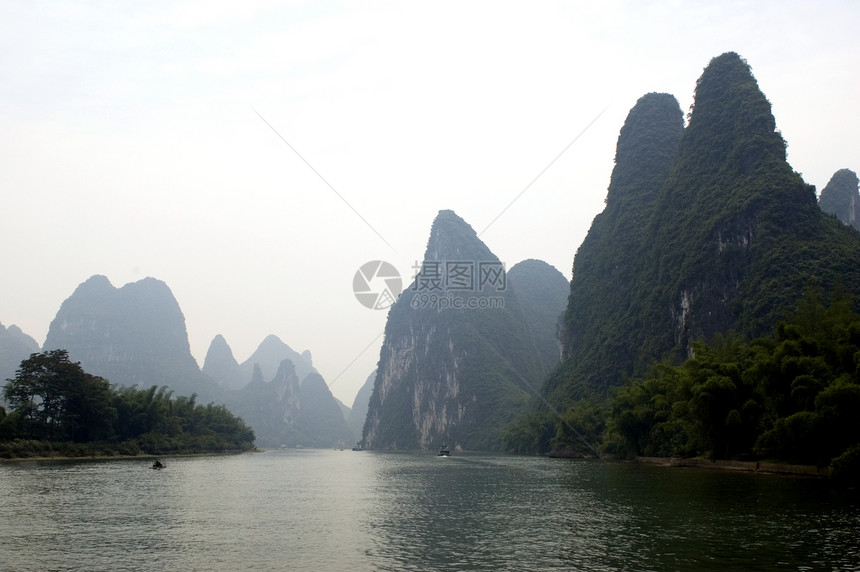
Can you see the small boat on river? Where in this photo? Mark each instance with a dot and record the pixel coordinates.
(158, 465)
(444, 451)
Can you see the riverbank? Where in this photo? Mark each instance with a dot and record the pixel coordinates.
(34, 450)
(744, 466)
(141, 456)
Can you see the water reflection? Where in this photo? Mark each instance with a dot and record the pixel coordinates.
(339, 510)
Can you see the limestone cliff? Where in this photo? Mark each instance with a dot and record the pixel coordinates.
(459, 360)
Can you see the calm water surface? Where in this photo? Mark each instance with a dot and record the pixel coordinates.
(344, 510)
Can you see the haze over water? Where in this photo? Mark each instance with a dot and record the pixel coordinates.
(344, 510)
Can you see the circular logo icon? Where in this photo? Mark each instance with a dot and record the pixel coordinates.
(377, 285)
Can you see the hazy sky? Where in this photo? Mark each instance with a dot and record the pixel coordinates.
(131, 145)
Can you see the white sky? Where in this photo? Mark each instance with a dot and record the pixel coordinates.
(130, 144)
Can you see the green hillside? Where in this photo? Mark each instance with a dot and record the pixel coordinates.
(707, 229)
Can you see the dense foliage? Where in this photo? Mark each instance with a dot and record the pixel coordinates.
(53, 400)
(706, 229)
(603, 334)
(793, 396)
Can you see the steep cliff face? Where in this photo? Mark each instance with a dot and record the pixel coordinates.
(130, 335)
(601, 326)
(841, 197)
(221, 366)
(726, 236)
(15, 347)
(459, 359)
(737, 234)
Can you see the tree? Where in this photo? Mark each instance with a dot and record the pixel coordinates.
(57, 400)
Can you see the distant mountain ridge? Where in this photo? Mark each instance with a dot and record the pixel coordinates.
(130, 335)
(221, 365)
(15, 346)
(294, 408)
(286, 412)
(269, 355)
(135, 335)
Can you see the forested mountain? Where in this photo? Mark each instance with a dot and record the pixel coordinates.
(130, 335)
(458, 359)
(15, 346)
(706, 229)
(542, 292)
(841, 197)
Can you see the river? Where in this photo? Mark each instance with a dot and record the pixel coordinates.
(327, 510)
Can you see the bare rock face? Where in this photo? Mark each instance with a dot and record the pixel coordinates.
(459, 360)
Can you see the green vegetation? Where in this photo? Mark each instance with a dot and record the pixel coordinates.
(449, 375)
(605, 331)
(707, 241)
(56, 408)
(706, 229)
(792, 396)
